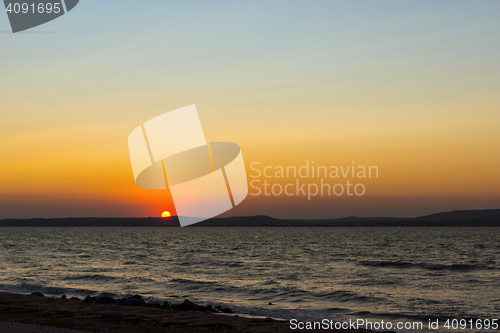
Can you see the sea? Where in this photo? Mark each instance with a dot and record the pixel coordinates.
(307, 274)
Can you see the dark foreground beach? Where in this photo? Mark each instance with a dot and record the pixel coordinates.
(94, 317)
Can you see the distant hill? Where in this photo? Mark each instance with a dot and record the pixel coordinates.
(464, 215)
(456, 218)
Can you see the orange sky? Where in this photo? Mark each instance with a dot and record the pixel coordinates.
(413, 91)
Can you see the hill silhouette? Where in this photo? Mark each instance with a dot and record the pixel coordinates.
(457, 218)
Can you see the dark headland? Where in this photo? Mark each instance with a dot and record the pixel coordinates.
(457, 218)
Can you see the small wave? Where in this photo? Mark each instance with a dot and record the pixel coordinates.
(455, 267)
(425, 265)
(433, 266)
(97, 277)
(28, 288)
(338, 310)
(464, 267)
(189, 281)
(399, 264)
(270, 282)
(340, 296)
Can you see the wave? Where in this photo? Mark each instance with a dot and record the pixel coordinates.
(28, 288)
(425, 265)
(399, 264)
(51, 291)
(189, 281)
(270, 290)
(97, 277)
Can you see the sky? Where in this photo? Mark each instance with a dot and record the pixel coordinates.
(410, 87)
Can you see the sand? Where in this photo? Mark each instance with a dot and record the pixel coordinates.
(7, 327)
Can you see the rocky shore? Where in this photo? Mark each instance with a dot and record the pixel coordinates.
(137, 300)
(131, 314)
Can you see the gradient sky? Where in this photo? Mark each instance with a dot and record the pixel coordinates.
(412, 87)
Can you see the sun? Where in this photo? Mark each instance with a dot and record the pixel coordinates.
(165, 214)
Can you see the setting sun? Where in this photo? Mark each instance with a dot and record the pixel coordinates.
(165, 214)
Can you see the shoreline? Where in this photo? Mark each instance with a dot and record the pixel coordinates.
(131, 315)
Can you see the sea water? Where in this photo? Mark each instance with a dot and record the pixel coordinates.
(394, 274)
